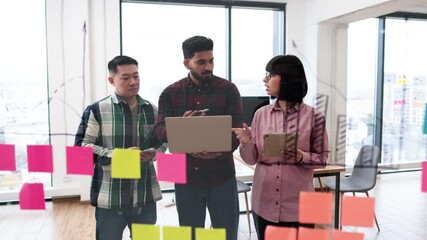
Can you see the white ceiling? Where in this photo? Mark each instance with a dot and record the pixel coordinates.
(419, 9)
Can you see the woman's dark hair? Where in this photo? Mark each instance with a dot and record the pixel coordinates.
(196, 44)
(293, 83)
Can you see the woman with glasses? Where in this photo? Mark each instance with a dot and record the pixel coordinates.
(279, 179)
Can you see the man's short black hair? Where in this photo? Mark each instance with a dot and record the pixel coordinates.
(293, 82)
(118, 61)
(196, 44)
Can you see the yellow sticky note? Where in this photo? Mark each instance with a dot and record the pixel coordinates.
(210, 234)
(125, 163)
(176, 233)
(145, 231)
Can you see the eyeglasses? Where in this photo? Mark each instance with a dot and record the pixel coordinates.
(268, 75)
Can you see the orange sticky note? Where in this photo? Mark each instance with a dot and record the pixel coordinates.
(357, 211)
(145, 231)
(7, 157)
(126, 163)
(31, 197)
(176, 233)
(340, 235)
(40, 158)
(79, 160)
(315, 207)
(172, 167)
(210, 234)
(280, 233)
(313, 234)
(424, 177)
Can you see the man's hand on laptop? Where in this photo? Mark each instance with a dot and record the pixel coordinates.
(146, 155)
(206, 155)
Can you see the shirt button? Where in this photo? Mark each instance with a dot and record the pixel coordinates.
(198, 102)
(196, 168)
(277, 190)
(277, 177)
(277, 203)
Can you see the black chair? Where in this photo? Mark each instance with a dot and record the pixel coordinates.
(364, 175)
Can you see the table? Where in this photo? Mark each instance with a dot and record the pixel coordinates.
(333, 170)
(329, 170)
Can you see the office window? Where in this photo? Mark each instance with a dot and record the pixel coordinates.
(361, 84)
(256, 36)
(153, 35)
(403, 86)
(23, 87)
(405, 89)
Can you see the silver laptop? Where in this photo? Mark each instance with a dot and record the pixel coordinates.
(198, 134)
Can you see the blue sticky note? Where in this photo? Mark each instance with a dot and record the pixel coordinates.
(424, 177)
(425, 120)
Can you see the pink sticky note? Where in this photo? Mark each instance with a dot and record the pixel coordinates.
(7, 157)
(313, 234)
(31, 196)
(315, 207)
(40, 158)
(339, 235)
(424, 177)
(280, 233)
(172, 167)
(357, 211)
(79, 160)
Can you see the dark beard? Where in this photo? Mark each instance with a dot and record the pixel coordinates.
(200, 78)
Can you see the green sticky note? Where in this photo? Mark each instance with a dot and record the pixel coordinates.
(176, 233)
(145, 232)
(210, 234)
(125, 163)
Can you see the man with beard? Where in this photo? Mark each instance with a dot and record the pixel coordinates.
(211, 178)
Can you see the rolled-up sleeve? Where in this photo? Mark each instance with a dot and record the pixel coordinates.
(90, 139)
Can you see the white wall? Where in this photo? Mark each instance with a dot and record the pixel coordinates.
(77, 60)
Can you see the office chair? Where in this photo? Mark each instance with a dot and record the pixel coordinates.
(364, 175)
(245, 188)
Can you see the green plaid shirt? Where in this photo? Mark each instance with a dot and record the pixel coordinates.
(105, 125)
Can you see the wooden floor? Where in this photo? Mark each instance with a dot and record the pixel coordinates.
(401, 209)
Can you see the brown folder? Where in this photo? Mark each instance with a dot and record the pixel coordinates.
(274, 143)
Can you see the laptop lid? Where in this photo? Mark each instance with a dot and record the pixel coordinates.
(199, 133)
